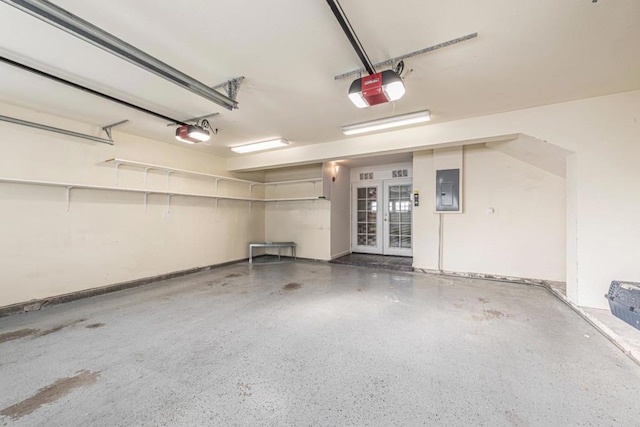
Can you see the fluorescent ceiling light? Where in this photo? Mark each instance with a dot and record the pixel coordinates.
(387, 123)
(257, 146)
(65, 20)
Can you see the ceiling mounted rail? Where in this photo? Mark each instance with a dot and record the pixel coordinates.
(397, 59)
(65, 20)
(351, 35)
(88, 90)
(55, 130)
(193, 120)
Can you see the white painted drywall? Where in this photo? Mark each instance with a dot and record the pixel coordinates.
(307, 223)
(535, 152)
(603, 218)
(603, 204)
(107, 237)
(524, 235)
(450, 158)
(340, 212)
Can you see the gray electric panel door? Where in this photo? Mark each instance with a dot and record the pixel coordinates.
(448, 190)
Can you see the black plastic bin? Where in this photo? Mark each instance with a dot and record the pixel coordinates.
(624, 302)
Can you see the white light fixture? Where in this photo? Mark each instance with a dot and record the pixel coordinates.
(376, 89)
(257, 146)
(336, 169)
(192, 134)
(387, 123)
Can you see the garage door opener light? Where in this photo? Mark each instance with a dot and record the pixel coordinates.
(192, 134)
(377, 88)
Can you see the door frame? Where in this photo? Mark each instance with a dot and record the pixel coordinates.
(378, 249)
(372, 175)
(386, 250)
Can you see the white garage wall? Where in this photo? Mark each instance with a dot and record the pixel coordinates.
(307, 223)
(523, 237)
(340, 211)
(107, 237)
(603, 224)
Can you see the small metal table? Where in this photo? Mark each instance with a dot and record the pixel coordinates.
(278, 245)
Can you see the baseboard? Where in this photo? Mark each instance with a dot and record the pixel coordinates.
(341, 254)
(37, 304)
(493, 277)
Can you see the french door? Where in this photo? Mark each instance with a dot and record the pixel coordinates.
(397, 217)
(382, 222)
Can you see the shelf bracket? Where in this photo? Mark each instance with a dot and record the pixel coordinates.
(169, 180)
(146, 196)
(68, 193)
(251, 184)
(168, 205)
(117, 168)
(217, 205)
(146, 174)
(217, 179)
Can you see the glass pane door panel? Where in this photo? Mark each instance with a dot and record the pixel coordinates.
(399, 216)
(381, 217)
(367, 216)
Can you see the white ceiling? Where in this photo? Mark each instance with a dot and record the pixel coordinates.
(529, 52)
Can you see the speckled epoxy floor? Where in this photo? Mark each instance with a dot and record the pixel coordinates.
(304, 343)
(386, 262)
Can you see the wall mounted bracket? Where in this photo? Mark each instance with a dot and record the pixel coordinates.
(231, 87)
(107, 129)
(192, 120)
(391, 62)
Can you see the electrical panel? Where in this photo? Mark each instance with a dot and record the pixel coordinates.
(448, 190)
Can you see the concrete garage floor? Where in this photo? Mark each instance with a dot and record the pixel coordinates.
(305, 343)
(397, 263)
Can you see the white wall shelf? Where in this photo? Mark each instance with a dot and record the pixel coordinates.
(70, 186)
(293, 199)
(313, 181)
(146, 191)
(149, 166)
(295, 181)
